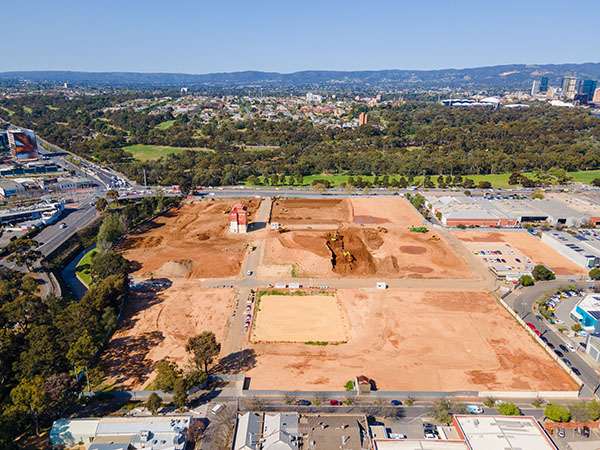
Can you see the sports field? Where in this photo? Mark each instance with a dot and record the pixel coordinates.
(154, 152)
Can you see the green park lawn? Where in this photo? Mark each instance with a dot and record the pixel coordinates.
(153, 152)
(497, 180)
(84, 268)
(165, 125)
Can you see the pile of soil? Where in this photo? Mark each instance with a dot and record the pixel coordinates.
(175, 269)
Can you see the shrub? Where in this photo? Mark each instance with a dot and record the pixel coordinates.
(540, 272)
(349, 386)
(593, 409)
(576, 327)
(595, 274)
(557, 413)
(526, 280)
(410, 401)
(508, 409)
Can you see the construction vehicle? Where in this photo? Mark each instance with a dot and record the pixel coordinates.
(336, 237)
(348, 256)
(418, 229)
(225, 211)
(381, 229)
(252, 247)
(283, 229)
(434, 238)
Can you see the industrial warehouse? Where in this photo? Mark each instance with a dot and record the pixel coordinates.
(455, 210)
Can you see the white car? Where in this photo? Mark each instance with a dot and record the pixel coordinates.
(559, 322)
(430, 435)
(570, 347)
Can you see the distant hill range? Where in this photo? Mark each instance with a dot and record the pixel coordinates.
(495, 77)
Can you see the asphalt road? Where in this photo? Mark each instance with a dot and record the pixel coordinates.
(523, 302)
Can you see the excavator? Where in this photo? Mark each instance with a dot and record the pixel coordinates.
(418, 229)
(348, 256)
(283, 229)
(434, 238)
(336, 237)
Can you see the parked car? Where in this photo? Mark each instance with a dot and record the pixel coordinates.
(544, 338)
(576, 371)
(335, 403)
(540, 318)
(559, 353)
(63, 225)
(303, 402)
(559, 322)
(538, 332)
(586, 431)
(567, 362)
(474, 409)
(570, 347)
(396, 402)
(563, 348)
(551, 345)
(530, 325)
(561, 432)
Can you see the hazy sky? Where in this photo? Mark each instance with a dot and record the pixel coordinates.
(290, 35)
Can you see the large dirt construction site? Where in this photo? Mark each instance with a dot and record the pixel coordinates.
(190, 241)
(524, 245)
(374, 241)
(299, 318)
(415, 341)
(157, 325)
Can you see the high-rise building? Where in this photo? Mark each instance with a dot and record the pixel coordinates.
(596, 98)
(588, 87)
(544, 85)
(569, 86)
(363, 119)
(534, 87)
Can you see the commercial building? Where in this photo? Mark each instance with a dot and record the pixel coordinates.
(363, 119)
(313, 98)
(284, 431)
(127, 433)
(587, 312)
(582, 248)
(570, 87)
(238, 219)
(502, 432)
(416, 444)
(454, 210)
(44, 212)
(544, 85)
(587, 203)
(592, 346)
(20, 143)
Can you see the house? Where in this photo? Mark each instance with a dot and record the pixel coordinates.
(362, 384)
(238, 219)
(280, 432)
(248, 432)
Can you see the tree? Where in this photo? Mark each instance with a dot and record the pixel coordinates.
(557, 413)
(508, 409)
(153, 403)
(29, 396)
(107, 263)
(526, 280)
(596, 182)
(484, 185)
(443, 409)
(112, 195)
(204, 348)
(110, 231)
(595, 274)
(180, 395)
(167, 376)
(61, 391)
(515, 178)
(101, 204)
(541, 272)
(593, 408)
(468, 183)
(81, 353)
(22, 252)
(579, 412)
(319, 187)
(537, 195)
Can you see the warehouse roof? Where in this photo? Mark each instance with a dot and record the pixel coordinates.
(502, 432)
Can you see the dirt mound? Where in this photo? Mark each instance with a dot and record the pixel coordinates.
(175, 269)
(316, 211)
(203, 236)
(372, 239)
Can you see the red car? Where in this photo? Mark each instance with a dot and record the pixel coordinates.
(537, 332)
(530, 325)
(335, 403)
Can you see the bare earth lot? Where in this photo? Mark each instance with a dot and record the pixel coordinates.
(374, 231)
(524, 244)
(299, 318)
(415, 340)
(192, 240)
(155, 326)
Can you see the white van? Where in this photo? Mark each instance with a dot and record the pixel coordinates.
(215, 409)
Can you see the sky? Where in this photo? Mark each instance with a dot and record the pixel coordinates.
(291, 35)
